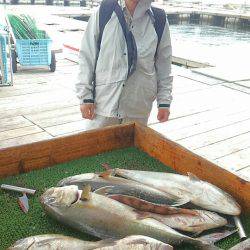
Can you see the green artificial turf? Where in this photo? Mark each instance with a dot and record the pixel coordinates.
(14, 224)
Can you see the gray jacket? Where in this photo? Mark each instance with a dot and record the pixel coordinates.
(117, 96)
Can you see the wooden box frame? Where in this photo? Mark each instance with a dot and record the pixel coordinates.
(20, 159)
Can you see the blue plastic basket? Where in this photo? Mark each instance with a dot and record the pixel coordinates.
(34, 52)
(3, 53)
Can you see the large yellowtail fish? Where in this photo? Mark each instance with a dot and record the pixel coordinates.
(103, 217)
(190, 220)
(189, 188)
(61, 242)
(122, 186)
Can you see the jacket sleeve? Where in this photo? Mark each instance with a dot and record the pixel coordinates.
(163, 69)
(87, 59)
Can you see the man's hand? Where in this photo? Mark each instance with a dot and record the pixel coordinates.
(88, 110)
(163, 114)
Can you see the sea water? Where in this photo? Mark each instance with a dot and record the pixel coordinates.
(216, 45)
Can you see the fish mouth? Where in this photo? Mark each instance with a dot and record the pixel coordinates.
(237, 209)
(46, 197)
(60, 196)
(233, 208)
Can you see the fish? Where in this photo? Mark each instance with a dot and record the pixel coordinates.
(122, 186)
(190, 188)
(104, 218)
(52, 242)
(203, 220)
(137, 242)
(61, 242)
(189, 220)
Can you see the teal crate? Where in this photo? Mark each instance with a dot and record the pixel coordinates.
(34, 52)
(3, 54)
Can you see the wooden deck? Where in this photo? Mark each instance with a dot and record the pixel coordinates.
(207, 116)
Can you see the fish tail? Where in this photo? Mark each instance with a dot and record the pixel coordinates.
(212, 238)
(140, 215)
(106, 174)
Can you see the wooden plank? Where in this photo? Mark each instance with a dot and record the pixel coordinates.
(225, 74)
(67, 128)
(69, 69)
(189, 63)
(244, 83)
(36, 99)
(207, 99)
(226, 147)
(200, 78)
(46, 153)
(202, 140)
(43, 115)
(211, 110)
(13, 133)
(237, 87)
(188, 123)
(235, 161)
(32, 77)
(18, 80)
(28, 75)
(183, 161)
(56, 117)
(183, 85)
(216, 123)
(244, 173)
(24, 89)
(14, 122)
(65, 63)
(26, 139)
(60, 120)
(212, 94)
(34, 109)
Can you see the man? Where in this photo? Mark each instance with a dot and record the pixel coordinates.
(117, 95)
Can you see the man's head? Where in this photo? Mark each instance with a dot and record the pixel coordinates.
(134, 1)
(138, 7)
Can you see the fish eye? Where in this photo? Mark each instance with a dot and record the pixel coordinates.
(51, 199)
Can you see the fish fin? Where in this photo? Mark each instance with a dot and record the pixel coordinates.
(196, 234)
(193, 177)
(109, 242)
(140, 215)
(190, 212)
(215, 237)
(229, 226)
(106, 174)
(180, 202)
(86, 193)
(106, 166)
(103, 190)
